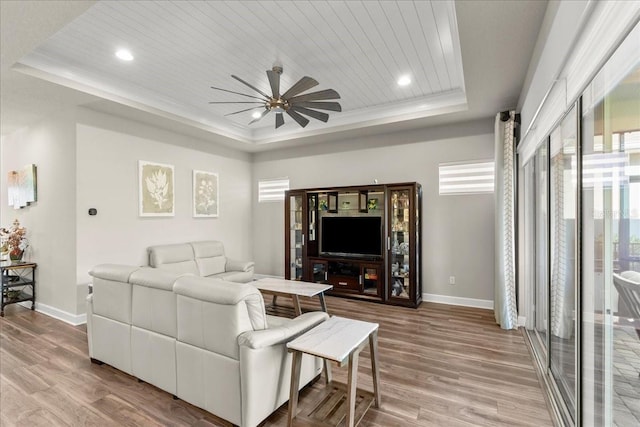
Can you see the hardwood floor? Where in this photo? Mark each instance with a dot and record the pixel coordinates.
(440, 365)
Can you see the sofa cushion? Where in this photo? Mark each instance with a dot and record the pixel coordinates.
(212, 313)
(153, 301)
(177, 258)
(234, 276)
(112, 291)
(154, 278)
(225, 293)
(209, 256)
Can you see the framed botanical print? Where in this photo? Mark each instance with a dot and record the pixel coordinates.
(206, 202)
(156, 186)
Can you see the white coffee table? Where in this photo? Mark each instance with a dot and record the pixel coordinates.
(293, 289)
(339, 340)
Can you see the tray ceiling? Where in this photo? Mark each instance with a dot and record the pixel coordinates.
(181, 48)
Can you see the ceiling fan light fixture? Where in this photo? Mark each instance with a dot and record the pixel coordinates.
(293, 102)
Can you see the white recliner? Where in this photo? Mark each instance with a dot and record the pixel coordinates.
(208, 342)
(206, 259)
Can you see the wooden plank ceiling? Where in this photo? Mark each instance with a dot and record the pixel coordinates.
(181, 48)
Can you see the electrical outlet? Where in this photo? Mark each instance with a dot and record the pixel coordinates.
(452, 280)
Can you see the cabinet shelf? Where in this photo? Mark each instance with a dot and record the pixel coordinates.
(10, 298)
(17, 284)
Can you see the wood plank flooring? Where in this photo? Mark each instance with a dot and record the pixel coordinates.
(440, 365)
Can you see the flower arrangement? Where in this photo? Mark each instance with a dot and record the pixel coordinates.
(14, 240)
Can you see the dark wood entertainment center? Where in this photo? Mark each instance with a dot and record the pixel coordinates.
(363, 240)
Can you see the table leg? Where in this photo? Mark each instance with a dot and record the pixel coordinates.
(296, 362)
(323, 303)
(373, 351)
(33, 288)
(327, 371)
(352, 381)
(296, 305)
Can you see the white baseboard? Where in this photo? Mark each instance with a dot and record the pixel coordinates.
(522, 320)
(72, 319)
(466, 302)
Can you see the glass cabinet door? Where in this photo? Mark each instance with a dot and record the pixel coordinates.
(400, 243)
(319, 271)
(371, 279)
(296, 237)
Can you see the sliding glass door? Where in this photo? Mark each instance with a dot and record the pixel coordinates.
(541, 218)
(563, 207)
(611, 242)
(585, 223)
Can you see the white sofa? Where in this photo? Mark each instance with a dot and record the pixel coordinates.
(208, 342)
(206, 259)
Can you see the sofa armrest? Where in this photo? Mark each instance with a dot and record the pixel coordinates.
(284, 333)
(236, 265)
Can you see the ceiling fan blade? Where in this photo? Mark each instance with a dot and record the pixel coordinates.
(242, 111)
(252, 87)
(331, 106)
(237, 93)
(311, 113)
(301, 85)
(264, 113)
(314, 96)
(279, 120)
(274, 81)
(302, 121)
(236, 102)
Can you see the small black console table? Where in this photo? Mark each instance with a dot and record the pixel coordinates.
(18, 283)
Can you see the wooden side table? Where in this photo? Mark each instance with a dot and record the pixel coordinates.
(293, 289)
(339, 340)
(18, 283)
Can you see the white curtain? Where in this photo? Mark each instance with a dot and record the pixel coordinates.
(505, 268)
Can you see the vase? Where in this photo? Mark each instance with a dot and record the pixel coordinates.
(16, 255)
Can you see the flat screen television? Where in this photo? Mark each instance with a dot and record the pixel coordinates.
(351, 236)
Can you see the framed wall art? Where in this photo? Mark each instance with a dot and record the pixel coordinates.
(206, 202)
(156, 186)
(22, 187)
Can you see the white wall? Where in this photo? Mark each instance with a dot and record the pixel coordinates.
(458, 231)
(50, 222)
(108, 150)
(102, 152)
(87, 159)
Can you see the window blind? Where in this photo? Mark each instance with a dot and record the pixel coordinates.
(466, 178)
(272, 190)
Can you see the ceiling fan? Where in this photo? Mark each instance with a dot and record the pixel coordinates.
(291, 102)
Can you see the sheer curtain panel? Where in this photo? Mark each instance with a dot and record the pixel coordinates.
(505, 271)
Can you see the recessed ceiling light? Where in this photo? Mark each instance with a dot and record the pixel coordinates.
(124, 54)
(404, 80)
(256, 115)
